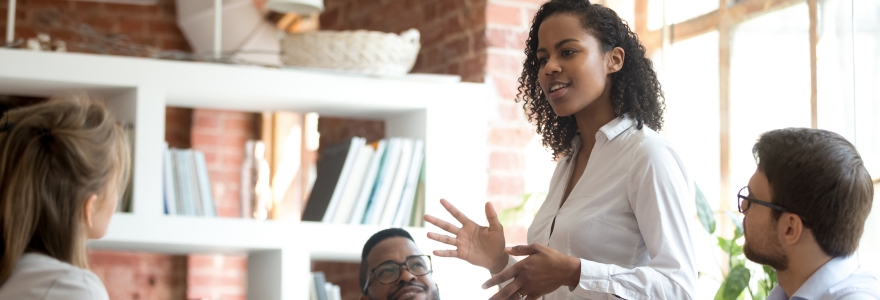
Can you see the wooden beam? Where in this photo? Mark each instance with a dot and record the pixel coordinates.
(814, 42)
(724, 37)
(708, 22)
(752, 8)
(696, 26)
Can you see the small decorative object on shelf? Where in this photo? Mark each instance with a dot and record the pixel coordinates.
(44, 42)
(256, 194)
(359, 51)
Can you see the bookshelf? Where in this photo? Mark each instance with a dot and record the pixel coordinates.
(449, 115)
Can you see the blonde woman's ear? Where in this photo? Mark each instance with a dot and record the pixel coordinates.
(89, 210)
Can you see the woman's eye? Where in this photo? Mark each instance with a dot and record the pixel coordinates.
(567, 52)
(542, 61)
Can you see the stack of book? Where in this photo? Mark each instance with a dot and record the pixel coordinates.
(187, 188)
(379, 183)
(320, 289)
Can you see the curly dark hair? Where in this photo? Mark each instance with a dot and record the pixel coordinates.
(635, 89)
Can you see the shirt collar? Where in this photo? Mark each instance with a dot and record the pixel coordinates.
(832, 272)
(615, 127)
(610, 131)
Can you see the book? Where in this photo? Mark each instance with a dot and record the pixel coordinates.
(404, 210)
(168, 185)
(418, 219)
(330, 167)
(335, 293)
(355, 145)
(313, 293)
(320, 285)
(353, 185)
(248, 181)
(180, 183)
(363, 199)
(382, 186)
(397, 184)
(193, 186)
(125, 201)
(209, 209)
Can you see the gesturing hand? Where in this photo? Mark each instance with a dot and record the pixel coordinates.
(544, 271)
(478, 245)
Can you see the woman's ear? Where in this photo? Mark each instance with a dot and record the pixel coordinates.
(89, 209)
(614, 60)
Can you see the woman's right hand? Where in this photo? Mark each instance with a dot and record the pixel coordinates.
(478, 245)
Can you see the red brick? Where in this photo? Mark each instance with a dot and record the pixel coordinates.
(506, 86)
(238, 124)
(510, 137)
(506, 161)
(507, 38)
(206, 121)
(501, 14)
(510, 111)
(330, 17)
(506, 185)
(473, 69)
(163, 28)
(504, 64)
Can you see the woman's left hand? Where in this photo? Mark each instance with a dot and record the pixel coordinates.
(544, 271)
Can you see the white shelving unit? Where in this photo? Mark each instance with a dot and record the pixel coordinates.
(450, 116)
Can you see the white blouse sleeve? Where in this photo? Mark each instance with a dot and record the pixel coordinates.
(82, 285)
(658, 192)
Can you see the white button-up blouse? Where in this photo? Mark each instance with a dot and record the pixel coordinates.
(626, 218)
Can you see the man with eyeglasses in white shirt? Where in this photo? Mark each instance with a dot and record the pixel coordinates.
(805, 209)
(393, 268)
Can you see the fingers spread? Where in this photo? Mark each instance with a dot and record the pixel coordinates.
(446, 253)
(442, 224)
(455, 212)
(492, 217)
(442, 238)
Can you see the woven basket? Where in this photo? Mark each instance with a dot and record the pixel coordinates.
(361, 51)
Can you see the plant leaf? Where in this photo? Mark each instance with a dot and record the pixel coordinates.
(737, 220)
(704, 211)
(736, 282)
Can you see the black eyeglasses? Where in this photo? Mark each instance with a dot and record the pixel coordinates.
(745, 202)
(388, 272)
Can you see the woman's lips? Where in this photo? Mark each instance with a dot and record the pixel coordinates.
(558, 93)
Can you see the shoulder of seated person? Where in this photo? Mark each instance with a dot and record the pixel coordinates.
(60, 280)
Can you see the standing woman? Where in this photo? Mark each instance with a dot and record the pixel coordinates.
(614, 223)
(63, 166)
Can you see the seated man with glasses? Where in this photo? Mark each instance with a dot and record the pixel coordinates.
(393, 267)
(805, 209)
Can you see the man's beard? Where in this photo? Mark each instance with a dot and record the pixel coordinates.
(774, 257)
(433, 294)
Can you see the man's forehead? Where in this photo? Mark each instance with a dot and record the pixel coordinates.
(395, 249)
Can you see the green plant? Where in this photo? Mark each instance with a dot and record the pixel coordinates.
(740, 271)
(522, 214)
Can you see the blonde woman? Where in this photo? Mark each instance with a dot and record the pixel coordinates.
(63, 165)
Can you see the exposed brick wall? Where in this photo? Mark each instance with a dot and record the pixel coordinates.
(217, 277)
(345, 275)
(452, 31)
(506, 31)
(178, 126)
(140, 275)
(336, 130)
(221, 135)
(154, 26)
